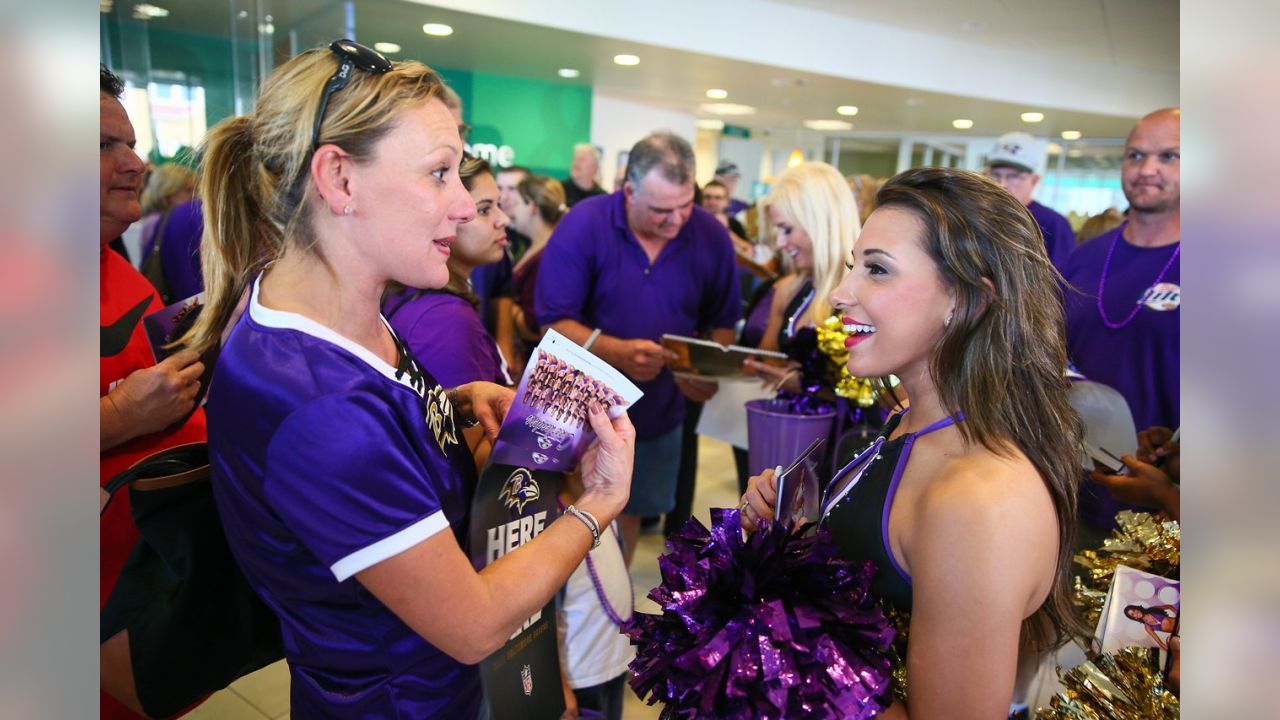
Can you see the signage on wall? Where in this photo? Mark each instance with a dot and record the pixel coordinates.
(736, 131)
(496, 155)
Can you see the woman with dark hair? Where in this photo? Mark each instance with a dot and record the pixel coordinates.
(1163, 618)
(337, 467)
(966, 502)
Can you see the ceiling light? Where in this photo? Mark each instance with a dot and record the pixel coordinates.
(437, 29)
(710, 124)
(717, 94)
(1054, 148)
(828, 125)
(266, 29)
(242, 14)
(1070, 134)
(1032, 117)
(962, 123)
(386, 47)
(847, 110)
(568, 73)
(726, 109)
(1075, 153)
(626, 60)
(147, 11)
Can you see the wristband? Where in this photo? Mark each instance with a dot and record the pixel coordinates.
(466, 421)
(591, 339)
(590, 521)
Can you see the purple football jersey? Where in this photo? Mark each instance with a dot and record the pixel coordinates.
(326, 461)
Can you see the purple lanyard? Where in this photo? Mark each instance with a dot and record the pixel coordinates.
(791, 321)
(874, 451)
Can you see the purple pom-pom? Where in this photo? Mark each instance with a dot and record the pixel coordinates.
(773, 626)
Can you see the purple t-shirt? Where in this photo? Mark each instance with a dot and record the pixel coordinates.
(444, 333)
(490, 282)
(524, 284)
(757, 320)
(595, 272)
(179, 248)
(1141, 359)
(1059, 238)
(327, 461)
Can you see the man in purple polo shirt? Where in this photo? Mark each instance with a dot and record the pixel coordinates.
(635, 264)
(1122, 303)
(1015, 163)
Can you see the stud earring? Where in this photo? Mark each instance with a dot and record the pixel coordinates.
(346, 210)
(948, 321)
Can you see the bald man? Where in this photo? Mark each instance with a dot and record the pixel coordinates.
(1123, 315)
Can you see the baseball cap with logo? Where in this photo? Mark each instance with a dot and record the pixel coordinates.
(1018, 150)
(727, 168)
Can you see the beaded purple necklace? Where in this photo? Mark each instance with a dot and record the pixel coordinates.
(604, 599)
(600, 593)
(1102, 282)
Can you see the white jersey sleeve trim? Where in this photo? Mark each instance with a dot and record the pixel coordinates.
(371, 555)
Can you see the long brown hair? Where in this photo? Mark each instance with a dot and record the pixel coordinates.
(1001, 360)
(255, 169)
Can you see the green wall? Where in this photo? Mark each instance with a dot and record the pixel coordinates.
(540, 120)
(877, 164)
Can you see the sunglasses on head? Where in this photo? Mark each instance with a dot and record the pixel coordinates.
(351, 56)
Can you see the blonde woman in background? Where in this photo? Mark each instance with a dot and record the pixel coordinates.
(537, 208)
(1105, 221)
(815, 220)
(865, 188)
(168, 186)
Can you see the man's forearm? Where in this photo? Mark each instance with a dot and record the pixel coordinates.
(724, 336)
(113, 427)
(604, 347)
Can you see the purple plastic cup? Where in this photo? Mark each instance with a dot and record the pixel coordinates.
(776, 436)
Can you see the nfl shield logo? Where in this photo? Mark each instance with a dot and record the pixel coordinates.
(526, 679)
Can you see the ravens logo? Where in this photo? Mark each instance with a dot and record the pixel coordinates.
(519, 490)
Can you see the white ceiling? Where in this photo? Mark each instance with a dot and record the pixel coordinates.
(1140, 34)
(908, 65)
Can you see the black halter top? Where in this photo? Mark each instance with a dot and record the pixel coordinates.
(858, 515)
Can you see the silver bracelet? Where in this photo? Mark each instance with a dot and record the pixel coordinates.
(590, 521)
(591, 339)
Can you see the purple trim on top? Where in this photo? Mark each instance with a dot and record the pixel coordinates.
(897, 478)
(888, 505)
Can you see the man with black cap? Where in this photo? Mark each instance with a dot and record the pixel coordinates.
(1015, 164)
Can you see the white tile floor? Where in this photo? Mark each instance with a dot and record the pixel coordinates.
(264, 695)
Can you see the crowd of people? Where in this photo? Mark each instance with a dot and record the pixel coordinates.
(373, 295)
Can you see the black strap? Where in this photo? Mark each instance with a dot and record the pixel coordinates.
(152, 265)
(166, 463)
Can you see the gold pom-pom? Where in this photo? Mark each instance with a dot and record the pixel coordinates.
(1125, 686)
(1147, 542)
(831, 337)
